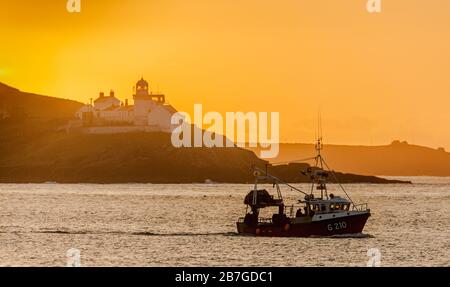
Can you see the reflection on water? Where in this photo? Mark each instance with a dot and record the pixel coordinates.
(194, 225)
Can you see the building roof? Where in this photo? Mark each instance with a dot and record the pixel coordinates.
(118, 108)
(86, 108)
(142, 83)
(111, 108)
(104, 99)
(126, 108)
(170, 109)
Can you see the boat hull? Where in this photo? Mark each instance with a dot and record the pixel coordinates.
(328, 227)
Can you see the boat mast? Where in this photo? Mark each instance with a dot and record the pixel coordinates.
(320, 163)
(319, 174)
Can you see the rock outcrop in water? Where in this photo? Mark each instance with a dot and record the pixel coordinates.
(395, 159)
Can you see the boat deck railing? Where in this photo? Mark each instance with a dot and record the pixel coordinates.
(265, 220)
(360, 207)
(261, 220)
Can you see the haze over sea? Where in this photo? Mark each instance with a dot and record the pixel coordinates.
(194, 225)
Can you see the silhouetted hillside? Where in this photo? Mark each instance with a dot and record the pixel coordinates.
(396, 159)
(35, 147)
(35, 152)
(18, 105)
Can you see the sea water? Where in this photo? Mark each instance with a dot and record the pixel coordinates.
(194, 225)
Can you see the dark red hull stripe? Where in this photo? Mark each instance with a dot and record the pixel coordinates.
(345, 225)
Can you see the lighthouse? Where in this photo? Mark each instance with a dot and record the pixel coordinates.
(143, 103)
(149, 113)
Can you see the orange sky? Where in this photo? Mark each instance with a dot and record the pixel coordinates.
(376, 77)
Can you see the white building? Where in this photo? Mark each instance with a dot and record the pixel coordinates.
(103, 102)
(150, 112)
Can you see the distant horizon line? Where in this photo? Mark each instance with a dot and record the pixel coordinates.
(356, 145)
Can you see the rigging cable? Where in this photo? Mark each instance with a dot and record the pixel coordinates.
(337, 181)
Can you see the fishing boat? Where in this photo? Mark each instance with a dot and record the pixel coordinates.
(318, 213)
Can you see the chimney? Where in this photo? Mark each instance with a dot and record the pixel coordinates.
(102, 95)
(111, 93)
(126, 102)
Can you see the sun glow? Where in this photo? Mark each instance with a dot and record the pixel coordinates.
(253, 55)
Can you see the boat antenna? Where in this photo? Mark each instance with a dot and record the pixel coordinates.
(321, 185)
(319, 140)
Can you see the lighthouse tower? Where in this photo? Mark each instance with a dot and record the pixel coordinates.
(143, 103)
